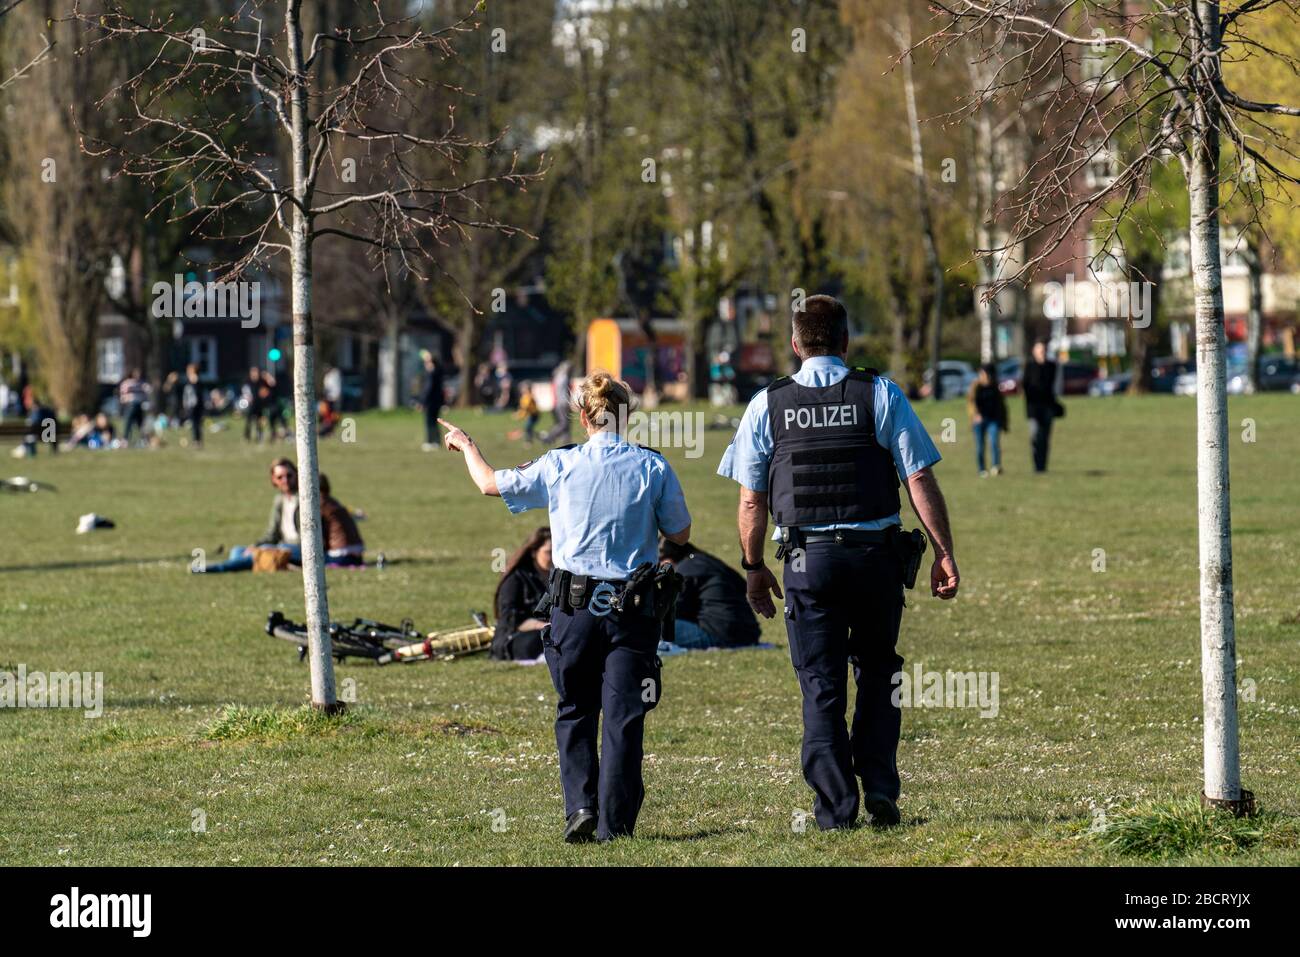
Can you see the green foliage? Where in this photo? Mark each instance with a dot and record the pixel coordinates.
(239, 723)
(1163, 830)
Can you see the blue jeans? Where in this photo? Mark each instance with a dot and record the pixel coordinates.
(995, 442)
(241, 558)
(687, 634)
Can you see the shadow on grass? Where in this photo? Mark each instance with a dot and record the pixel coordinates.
(700, 835)
(99, 563)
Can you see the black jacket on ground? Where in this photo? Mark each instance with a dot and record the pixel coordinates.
(713, 596)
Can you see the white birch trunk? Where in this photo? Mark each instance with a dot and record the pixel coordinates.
(928, 241)
(304, 386)
(984, 201)
(1218, 638)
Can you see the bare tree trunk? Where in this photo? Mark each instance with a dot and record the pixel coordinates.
(389, 362)
(1255, 314)
(983, 201)
(1218, 638)
(304, 385)
(923, 209)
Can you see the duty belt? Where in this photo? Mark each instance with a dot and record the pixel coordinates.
(577, 592)
(794, 537)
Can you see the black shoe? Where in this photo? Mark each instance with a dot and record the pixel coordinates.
(881, 811)
(581, 826)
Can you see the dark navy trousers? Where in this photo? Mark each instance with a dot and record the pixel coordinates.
(843, 605)
(603, 663)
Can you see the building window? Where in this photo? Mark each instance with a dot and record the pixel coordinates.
(111, 357)
(1103, 166)
(203, 353)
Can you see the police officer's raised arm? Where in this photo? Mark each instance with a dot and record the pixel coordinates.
(458, 441)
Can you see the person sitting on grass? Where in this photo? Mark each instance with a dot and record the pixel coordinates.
(712, 610)
(281, 531)
(343, 544)
(518, 635)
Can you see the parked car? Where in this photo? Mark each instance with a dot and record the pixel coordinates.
(955, 375)
(1076, 377)
(1111, 384)
(1009, 373)
(1165, 372)
(1185, 384)
(1279, 374)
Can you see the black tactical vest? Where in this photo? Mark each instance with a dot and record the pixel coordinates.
(827, 466)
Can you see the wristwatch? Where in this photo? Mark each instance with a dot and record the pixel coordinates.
(751, 568)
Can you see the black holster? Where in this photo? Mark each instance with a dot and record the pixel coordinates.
(909, 547)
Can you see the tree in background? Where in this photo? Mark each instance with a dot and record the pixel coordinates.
(370, 108)
(876, 163)
(63, 212)
(1162, 85)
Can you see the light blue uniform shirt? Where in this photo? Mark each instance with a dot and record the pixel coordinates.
(897, 429)
(608, 500)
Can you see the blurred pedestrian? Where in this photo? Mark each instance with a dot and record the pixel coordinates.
(1041, 404)
(252, 395)
(192, 403)
(132, 394)
(988, 416)
(432, 396)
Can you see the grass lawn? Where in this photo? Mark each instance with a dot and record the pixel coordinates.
(453, 762)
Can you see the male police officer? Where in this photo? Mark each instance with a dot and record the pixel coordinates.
(824, 450)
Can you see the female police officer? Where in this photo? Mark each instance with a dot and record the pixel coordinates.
(608, 500)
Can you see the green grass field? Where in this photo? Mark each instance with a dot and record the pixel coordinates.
(453, 762)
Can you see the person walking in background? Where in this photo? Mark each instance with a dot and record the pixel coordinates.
(171, 398)
(253, 404)
(276, 427)
(192, 406)
(432, 396)
(561, 386)
(528, 411)
(132, 393)
(988, 416)
(1041, 404)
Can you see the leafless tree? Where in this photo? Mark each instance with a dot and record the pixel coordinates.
(24, 67)
(1148, 75)
(277, 203)
(59, 205)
